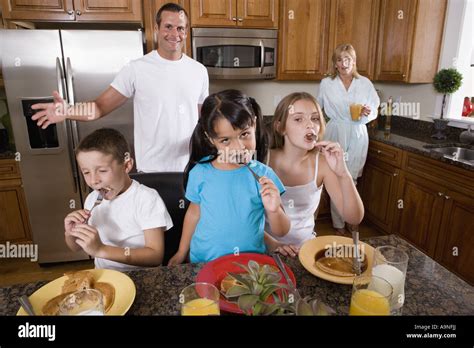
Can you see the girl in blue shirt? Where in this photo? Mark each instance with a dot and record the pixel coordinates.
(228, 206)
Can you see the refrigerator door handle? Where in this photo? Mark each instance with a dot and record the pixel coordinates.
(60, 78)
(70, 89)
(74, 130)
(72, 155)
(70, 126)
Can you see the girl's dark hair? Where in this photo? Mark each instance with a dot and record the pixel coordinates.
(240, 111)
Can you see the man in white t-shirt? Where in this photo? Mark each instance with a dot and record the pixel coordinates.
(168, 89)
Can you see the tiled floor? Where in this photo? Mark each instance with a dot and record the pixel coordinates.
(15, 271)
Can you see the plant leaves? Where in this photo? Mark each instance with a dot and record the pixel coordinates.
(237, 290)
(246, 302)
(240, 277)
(254, 268)
(268, 291)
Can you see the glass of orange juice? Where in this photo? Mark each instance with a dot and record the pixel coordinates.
(200, 299)
(371, 295)
(356, 110)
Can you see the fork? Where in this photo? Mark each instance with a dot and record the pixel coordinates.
(99, 199)
(356, 259)
(255, 175)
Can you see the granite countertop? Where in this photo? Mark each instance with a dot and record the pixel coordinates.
(420, 144)
(430, 289)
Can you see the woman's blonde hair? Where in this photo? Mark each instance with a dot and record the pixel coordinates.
(337, 53)
(281, 115)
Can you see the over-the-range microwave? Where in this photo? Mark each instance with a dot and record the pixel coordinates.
(236, 53)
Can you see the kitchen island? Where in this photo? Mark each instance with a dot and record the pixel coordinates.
(430, 288)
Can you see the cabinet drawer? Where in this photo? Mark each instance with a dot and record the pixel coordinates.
(385, 153)
(444, 174)
(9, 169)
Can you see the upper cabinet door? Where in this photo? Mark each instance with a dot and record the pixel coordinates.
(355, 22)
(108, 10)
(214, 13)
(303, 39)
(257, 14)
(397, 18)
(41, 10)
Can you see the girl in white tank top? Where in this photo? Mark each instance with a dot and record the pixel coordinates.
(298, 127)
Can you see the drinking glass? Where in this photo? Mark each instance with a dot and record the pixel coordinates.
(200, 299)
(83, 302)
(391, 263)
(371, 295)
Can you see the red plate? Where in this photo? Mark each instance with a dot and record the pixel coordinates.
(213, 272)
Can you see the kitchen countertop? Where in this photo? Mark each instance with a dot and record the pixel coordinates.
(430, 288)
(419, 144)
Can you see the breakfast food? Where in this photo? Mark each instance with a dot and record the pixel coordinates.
(77, 281)
(341, 266)
(108, 293)
(227, 283)
(52, 306)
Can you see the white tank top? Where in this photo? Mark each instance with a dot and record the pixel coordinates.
(300, 203)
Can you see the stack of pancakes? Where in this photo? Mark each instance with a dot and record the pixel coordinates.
(77, 281)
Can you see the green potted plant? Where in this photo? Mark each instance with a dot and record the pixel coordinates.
(446, 81)
(254, 287)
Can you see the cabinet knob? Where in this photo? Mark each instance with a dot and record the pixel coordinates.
(78, 12)
(440, 194)
(447, 197)
(379, 152)
(240, 19)
(395, 174)
(404, 75)
(70, 12)
(234, 19)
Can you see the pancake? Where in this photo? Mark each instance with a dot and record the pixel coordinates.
(52, 306)
(77, 281)
(338, 266)
(108, 291)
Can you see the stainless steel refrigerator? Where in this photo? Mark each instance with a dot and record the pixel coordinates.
(80, 64)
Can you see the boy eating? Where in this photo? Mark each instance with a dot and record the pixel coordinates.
(124, 230)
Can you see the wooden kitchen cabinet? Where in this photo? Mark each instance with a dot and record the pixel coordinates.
(409, 40)
(73, 10)
(379, 194)
(355, 22)
(419, 219)
(234, 13)
(425, 201)
(14, 222)
(150, 8)
(455, 247)
(303, 39)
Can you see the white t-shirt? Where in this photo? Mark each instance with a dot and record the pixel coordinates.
(121, 221)
(166, 97)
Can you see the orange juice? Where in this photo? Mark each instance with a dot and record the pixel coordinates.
(200, 306)
(356, 109)
(369, 302)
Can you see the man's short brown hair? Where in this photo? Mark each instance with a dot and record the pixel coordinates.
(170, 7)
(107, 141)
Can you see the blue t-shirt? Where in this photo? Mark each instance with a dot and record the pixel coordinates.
(232, 213)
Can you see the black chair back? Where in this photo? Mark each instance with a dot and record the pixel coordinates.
(170, 187)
